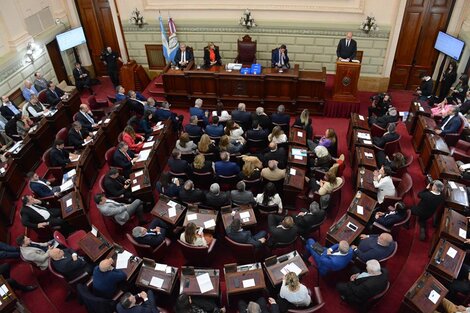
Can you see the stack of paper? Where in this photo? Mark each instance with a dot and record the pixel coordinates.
(204, 282)
(160, 267)
(144, 155)
(291, 267)
(68, 203)
(452, 185)
(244, 215)
(148, 144)
(209, 224)
(363, 135)
(369, 155)
(292, 171)
(192, 217)
(367, 142)
(300, 134)
(172, 212)
(135, 188)
(247, 283)
(139, 173)
(156, 282)
(66, 186)
(123, 259)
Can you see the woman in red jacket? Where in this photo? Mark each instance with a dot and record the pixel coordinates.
(133, 140)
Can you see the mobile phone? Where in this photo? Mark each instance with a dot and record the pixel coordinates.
(186, 282)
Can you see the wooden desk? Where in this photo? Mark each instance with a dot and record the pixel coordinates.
(414, 111)
(133, 264)
(298, 137)
(365, 181)
(360, 138)
(94, 247)
(368, 205)
(340, 230)
(202, 216)
(456, 198)
(42, 136)
(73, 210)
(423, 125)
(72, 104)
(9, 299)
(13, 178)
(293, 185)
(452, 228)
(7, 205)
(161, 208)
(227, 217)
(276, 271)
(190, 286)
(234, 281)
(432, 144)
(98, 147)
(443, 265)
(444, 167)
(59, 119)
(417, 297)
(148, 271)
(140, 185)
(111, 128)
(297, 159)
(28, 156)
(89, 166)
(356, 121)
(360, 159)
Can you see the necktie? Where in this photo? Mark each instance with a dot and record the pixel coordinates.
(183, 56)
(347, 43)
(55, 93)
(281, 57)
(127, 155)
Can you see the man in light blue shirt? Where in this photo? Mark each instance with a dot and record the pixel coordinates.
(28, 90)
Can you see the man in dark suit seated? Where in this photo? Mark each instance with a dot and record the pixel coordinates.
(144, 302)
(263, 119)
(242, 117)
(215, 129)
(197, 111)
(190, 194)
(193, 129)
(363, 286)
(35, 215)
(8, 109)
(107, 279)
(68, 263)
(137, 105)
(216, 198)
(124, 158)
(236, 233)
(306, 219)
(389, 136)
(279, 58)
(59, 156)
(116, 185)
(347, 48)
(281, 229)
(85, 117)
(225, 167)
(153, 235)
(451, 123)
(374, 247)
(77, 136)
(177, 165)
(163, 113)
(82, 78)
(240, 196)
(257, 133)
(382, 121)
(183, 56)
(424, 91)
(120, 93)
(280, 117)
(276, 153)
(260, 306)
(54, 94)
(41, 187)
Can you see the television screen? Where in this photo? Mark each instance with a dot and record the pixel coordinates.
(449, 45)
(71, 38)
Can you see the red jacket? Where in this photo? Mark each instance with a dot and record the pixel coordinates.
(135, 147)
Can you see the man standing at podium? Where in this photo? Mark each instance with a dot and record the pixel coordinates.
(347, 48)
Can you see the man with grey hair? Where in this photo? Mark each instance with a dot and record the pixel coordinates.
(263, 119)
(389, 136)
(190, 194)
(450, 123)
(242, 117)
(306, 219)
(224, 167)
(332, 259)
(28, 90)
(363, 286)
(240, 196)
(390, 117)
(198, 111)
(34, 108)
(216, 198)
(150, 105)
(280, 117)
(153, 235)
(193, 129)
(431, 199)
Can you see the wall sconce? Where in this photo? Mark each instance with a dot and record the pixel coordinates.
(137, 18)
(369, 25)
(247, 20)
(33, 51)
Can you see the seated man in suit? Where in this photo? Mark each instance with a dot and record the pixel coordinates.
(388, 136)
(82, 78)
(211, 55)
(224, 167)
(68, 263)
(263, 119)
(54, 94)
(347, 48)
(143, 302)
(241, 116)
(106, 279)
(177, 165)
(34, 215)
(153, 235)
(374, 247)
(183, 56)
(451, 123)
(365, 285)
(215, 129)
(276, 153)
(260, 306)
(193, 129)
(41, 187)
(116, 185)
(333, 259)
(281, 229)
(163, 113)
(308, 218)
(124, 158)
(197, 111)
(382, 121)
(424, 91)
(85, 117)
(280, 117)
(119, 211)
(36, 252)
(8, 252)
(136, 104)
(8, 108)
(77, 136)
(240, 196)
(190, 194)
(216, 198)
(59, 156)
(120, 93)
(257, 133)
(236, 233)
(279, 58)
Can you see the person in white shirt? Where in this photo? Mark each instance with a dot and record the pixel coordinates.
(277, 135)
(34, 108)
(270, 197)
(384, 184)
(293, 294)
(221, 113)
(192, 237)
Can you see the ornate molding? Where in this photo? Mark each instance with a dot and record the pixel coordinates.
(16, 64)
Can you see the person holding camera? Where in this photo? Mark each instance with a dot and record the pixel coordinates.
(110, 58)
(380, 104)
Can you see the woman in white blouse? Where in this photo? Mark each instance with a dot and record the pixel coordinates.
(221, 113)
(277, 135)
(269, 197)
(184, 144)
(293, 294)
(384, 183)
(234, 131)
(192, 237)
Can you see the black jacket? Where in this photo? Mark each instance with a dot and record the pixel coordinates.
(115, 187)
(179, 166)
(59, 157)
(344, 52)
(191, 196)
(305, 222)
(68, 267)
(86, 124)
(217, 201)
(279, 155)
(257, 134)
(279, 234)
(54, 98)
(76, 139)
(362, 289)
(120, 160)
(242, 117)
(207, 59)
(387, 137)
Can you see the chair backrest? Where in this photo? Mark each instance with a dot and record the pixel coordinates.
(316, 304)
(196, 255)
(42, 96)
(401, 170)
(246, 50)
(62, 134)
(284, 127)
(74, 117)
(108, 156)
(93, 303)
(53, 271)
(381, 294)
(92, 102)
(244, 252)
(267, 209)
(391, 255)
(392, 146)
(61, 239)
(46, 157)
(119, 138)
(227, 182)
(336, 193)
(405, 220)
(377, 131)
(202, 180)
(101, 183)
(142, 249)
(404, 186)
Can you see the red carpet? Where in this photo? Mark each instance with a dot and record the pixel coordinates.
(404, 268)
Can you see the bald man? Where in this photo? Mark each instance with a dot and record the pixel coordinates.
(68, 263)
(106, 279)
(374, 247)
(347, 48)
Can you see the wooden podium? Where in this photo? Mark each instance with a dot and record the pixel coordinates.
(346, 78)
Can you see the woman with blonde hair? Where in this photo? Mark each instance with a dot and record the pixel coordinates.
(192, 236)
(132, 139)
(305, 122)
(293, 294)
(211, 55)
(206, 145)
(184, 144)
(201, 165)
(277, 135)
(226, 145)
(249, 171)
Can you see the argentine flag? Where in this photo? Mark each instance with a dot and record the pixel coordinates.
(169, 46)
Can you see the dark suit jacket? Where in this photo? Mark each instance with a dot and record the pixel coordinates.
(178, 166)
(114, 187)
(153, 239)
(120, 160)
(76, 139)
(217, 201)
(243, 306)
(81, 81)
(30, 218)
(207, 59)
(59, 157)
(163, 115)
(6, 112)
(193, 130)
(280, 118)
(362, 289)
(346, 52)
(453, 126)
(279, 234)
(263, 120)
(242, 117)
(191, 196)
(40, 189)
(390, 220)
(426, 88)
(86, 124)
(369, 249)
(257, 134)
(226, 168)
(149, 306)
(384, 120)
(279, 155)
(243, 236)
(304, 223)
(177, 60)
(136, 106)
(215, 130)
(381, 141)
(68, 267)
(275, 58)
(52, 98)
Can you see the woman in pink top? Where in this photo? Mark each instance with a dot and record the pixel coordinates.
(441, 109)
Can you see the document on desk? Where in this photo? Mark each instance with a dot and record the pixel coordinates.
(123, 259)
(367, 142)
(156, 282)
(360, 210)
(292, 171)
(361, 117)
(192, 217)
(160, 267)
(244, 215)
(291, 267)
(68, 203)
(139, 173)
(434, 296)
(66, 186)
(363, 135)
(452, 185)
(75, 159)
(369, 155)
(451, 252)
(172, 203)
(209, 224)
(299, 152)
(68, 175)
(247, 283)
(298, 157)
(2, 290)
(300, 134)
(135, 188)
(144, 155)
(205, 283)
(172, 212)
(149, 144)
(87, 142)
(463, 233)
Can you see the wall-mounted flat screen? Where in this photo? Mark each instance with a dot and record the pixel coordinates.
(71, 38)
(449, 45)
